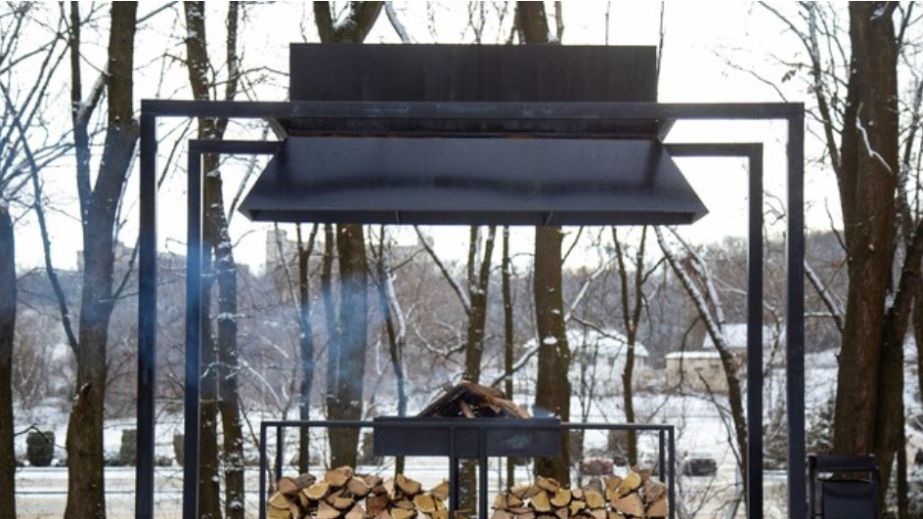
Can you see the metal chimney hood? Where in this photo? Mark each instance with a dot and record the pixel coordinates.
(472, 181)
(386, 168)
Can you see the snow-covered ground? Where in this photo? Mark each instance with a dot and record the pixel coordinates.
(41, 492)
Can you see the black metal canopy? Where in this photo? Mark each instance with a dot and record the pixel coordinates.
(472, 181)
(450, 171)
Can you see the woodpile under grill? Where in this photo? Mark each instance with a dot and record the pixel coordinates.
(342, 494)
(637, 495)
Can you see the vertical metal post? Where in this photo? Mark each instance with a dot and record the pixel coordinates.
(453, 474)
(671, 486)
(662, 455)
(193, 334)
(482, 473)
(754, 481)
(794, 318)
(280, 450)
(147, 318)
(263, 467)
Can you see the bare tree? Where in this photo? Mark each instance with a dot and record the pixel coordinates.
(632, 295)
(346, 352)
(882, 227)
(18, 162)
(99, 202)
(699, 284)
(220, 356)
(552, 392)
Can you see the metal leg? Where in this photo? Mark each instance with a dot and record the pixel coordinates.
(453, 475)
(482, 474)
(671, 486)
(794, 317)
(147, 319)
(263, 467)
(661, 455)
(193, 336)
(280, 450)
(754, 483)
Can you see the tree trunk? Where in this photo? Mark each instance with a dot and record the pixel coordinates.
(867, 191)
(506, 276)
(305, 343)
(225, 366)
(7, 336)
(346, 353)
(346, 356)
(552, 390)
(209, 485)
(478, 283)
(86, 485)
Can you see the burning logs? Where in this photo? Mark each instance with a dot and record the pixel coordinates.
(470, 400)
(342, 494)
(637, 495)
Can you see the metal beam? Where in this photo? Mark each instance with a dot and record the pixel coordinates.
(794, 320)
(147, 319)
(753, 152)
(469, 110)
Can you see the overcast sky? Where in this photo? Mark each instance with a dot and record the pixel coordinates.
(701, 39)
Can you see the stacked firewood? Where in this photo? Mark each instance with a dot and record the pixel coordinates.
(637, 495)
(342, 494)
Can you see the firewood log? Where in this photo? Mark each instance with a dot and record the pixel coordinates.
(501, 501)
(377, 504)
(549, 485)
(561, 513)
(577, 506)
(404, 503)
(520, 510)
(612, 485)
(290, 486)
(390, 488)
(356, 512)
(424, 503)
(402, 513)
(598, 513)
(629, 484)
(513, 501)
(540, 502)
(278, 506)
(630, 505)
(594, 500)
(561, 498)
(658, 508)
(339, 476)
(652, 490)
(440, 514)
(441, 491)
(500, 514)
(524, 491)
(325, 511)
(577, 493)
(358, 487)
(408, 486)
(615, 514)
(318, 490)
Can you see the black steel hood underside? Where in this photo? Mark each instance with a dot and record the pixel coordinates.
(451, 180)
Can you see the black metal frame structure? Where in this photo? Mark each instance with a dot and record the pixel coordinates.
(569, 118)
(666, 453)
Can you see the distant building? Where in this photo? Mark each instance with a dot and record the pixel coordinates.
(735, 334)
(698, 371)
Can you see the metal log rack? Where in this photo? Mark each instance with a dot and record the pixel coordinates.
(455, 429)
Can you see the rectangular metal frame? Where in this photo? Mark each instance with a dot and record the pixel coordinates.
(666, 453)
(566, 118)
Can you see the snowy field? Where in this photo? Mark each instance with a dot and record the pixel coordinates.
(41, 492)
